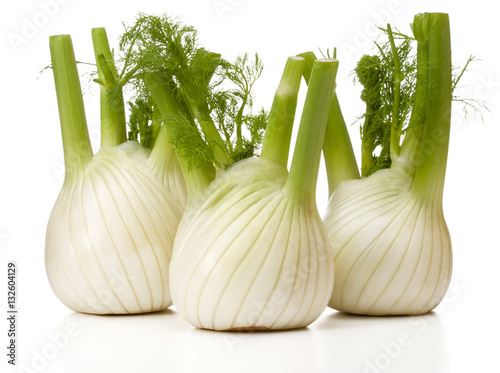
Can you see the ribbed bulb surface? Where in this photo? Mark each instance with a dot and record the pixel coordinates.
(247, 257)
(391, 246)
(110, 236)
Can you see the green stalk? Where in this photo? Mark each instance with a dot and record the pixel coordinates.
(398, 77)
(197, 179)
(75, 136)
(370, 78)
(413, 134)
(276, 144)
(303, 176)
(162, 151)
(207, 74)
(431, 166)
(340, 161)
(113, 127)
(367, 148)
(239, 124)
(155, 126)
(211, 133)
(197, 103)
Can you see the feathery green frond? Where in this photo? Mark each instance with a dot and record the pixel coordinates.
(377, 75)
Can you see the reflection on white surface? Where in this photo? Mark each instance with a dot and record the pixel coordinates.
(336, 342)
(384, 344)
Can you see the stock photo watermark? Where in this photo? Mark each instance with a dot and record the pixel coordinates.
(487, 87)
(363, 37)
(56, 342)
(391, 350)
(12, 315)
(223, 7)
(296, 278)
(30, 26)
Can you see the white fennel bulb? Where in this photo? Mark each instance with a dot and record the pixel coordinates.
(391, 245)
(248, 256)
(252, 252)
(110, 235)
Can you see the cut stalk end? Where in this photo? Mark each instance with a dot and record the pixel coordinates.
(433, 30)
(276, 145)
(113, 118)
(301, 182)
(76, 142)
(340, 160)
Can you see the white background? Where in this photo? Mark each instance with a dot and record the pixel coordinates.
(462, 335)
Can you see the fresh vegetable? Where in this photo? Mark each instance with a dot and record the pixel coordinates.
(249, 214)
(182, 209)
(118, 211)
(207, 100)
(145, 126)
(252, 252)
(110, 234)
(391, 244)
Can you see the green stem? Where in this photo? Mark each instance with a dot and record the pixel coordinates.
(211, 133)
(155, 126)
(162, 152)
(113, 127)
(197, 179)
(367, 146)
(340, 161)
(213, 60)
(398, 77)
(413, 134)
(239, 125)
(433, 149)
(164, 163)
(75, 137)
(276, 144)
(196, 101)
(301, 182)
(129, 75)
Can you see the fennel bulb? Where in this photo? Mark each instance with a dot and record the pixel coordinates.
(392, 247)
(251, 251)
(110, 234)
(391, 244)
